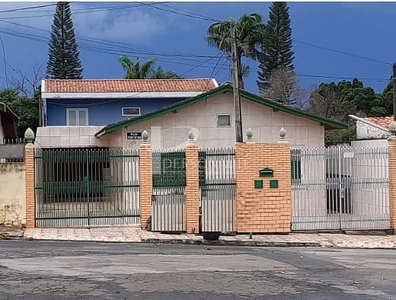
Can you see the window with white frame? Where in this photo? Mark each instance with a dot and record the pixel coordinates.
(77, 116)
(130, 111)
(223, 120)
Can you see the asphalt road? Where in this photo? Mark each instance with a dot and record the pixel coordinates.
(75, 270)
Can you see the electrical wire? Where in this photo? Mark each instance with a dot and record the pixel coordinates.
(26, 8)
(118, 49)
(5, 62)
(190, 15)
(79, 11)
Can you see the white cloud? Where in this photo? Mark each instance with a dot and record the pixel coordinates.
(121, 25)
(130, 24)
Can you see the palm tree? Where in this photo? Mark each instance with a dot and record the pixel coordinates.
(249, 30)
(135, 70)
(160, 73)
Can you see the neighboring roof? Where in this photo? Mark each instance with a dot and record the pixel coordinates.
(4, 109)
(226, 88)
(127, 85)
(381, 123)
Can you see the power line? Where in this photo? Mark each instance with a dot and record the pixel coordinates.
(209, 18)
(114, 48)
(80, 11)
(178, 62)
(190, 15)
(342, 52)
(26, 8)
(5, 61)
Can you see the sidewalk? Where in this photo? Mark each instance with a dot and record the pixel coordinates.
(136, 235)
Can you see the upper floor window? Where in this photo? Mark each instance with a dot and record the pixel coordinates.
(77, 116)
(130, 111)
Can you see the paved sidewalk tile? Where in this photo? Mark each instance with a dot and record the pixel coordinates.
(136, 235)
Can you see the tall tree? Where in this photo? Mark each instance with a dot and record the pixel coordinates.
(63, 60)
(136, 70)
(276, 45)
(249, 31)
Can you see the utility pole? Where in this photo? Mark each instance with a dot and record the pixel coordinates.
(394, 91)
(235, 85)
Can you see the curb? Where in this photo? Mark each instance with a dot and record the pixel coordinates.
(231, 243)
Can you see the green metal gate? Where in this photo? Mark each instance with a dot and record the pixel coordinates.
(79, 187)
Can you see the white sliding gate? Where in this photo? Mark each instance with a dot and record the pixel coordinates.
(340, 187)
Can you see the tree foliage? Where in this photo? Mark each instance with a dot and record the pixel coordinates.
(339, 100)
(138, 70)
(282, 87)
(26, 108)
(249, 33)
(63, 60)
(276, 45)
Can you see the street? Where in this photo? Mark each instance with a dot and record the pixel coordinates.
(80, 270)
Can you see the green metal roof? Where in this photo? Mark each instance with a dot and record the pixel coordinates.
(226, 88)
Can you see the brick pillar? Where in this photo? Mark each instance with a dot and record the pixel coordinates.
(192, 188)
(146, 182)
(263, 199)
(29, 180)
(392, 181)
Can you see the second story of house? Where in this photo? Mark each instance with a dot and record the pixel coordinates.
(98, 102)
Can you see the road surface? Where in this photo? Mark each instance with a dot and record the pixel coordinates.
(77, 270)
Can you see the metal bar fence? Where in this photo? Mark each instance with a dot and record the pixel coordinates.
(340, 187)
(87, 187)
(168, 200)
(217, 185)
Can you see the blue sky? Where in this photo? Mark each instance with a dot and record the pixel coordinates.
(359, 36)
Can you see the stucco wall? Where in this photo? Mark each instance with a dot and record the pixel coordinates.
(12, 194)
(171, 130)
(365, 131)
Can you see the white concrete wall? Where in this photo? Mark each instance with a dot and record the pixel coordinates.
(371, 143)
(365, 131)
(171, 130)
(12, 194)
(69, 136)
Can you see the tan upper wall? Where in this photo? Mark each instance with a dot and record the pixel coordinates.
(171, 130)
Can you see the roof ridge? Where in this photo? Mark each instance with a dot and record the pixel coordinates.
(123, 79)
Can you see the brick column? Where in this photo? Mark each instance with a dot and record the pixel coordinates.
(146, 180)
(263, 187)
(192, 188)
(392, 180)
(30, 180)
